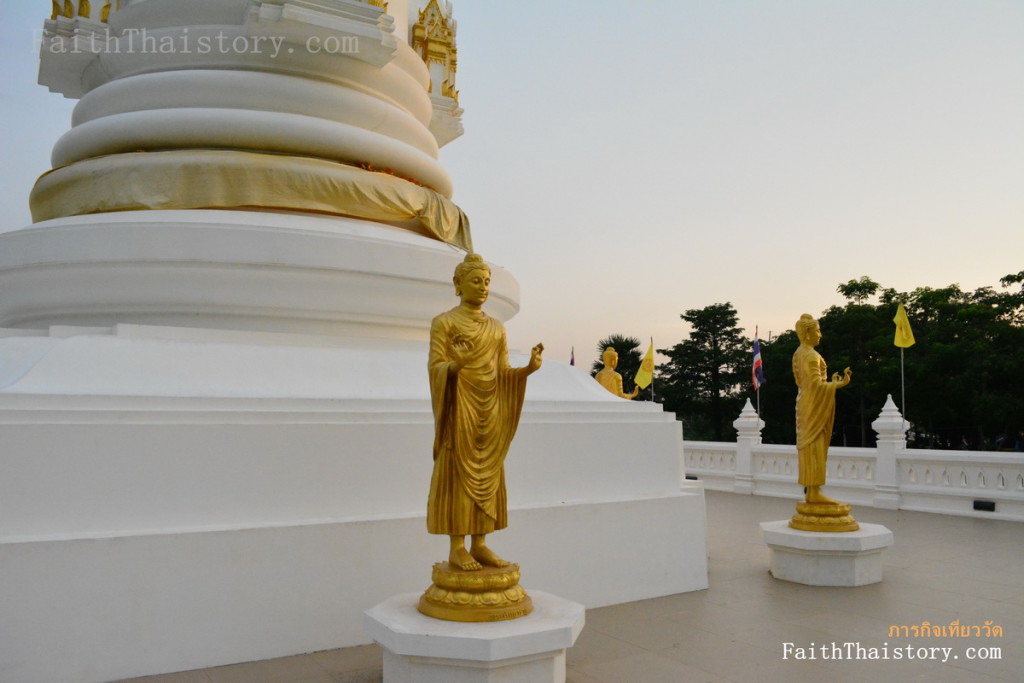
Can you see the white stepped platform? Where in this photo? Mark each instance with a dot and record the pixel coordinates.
(815, 558)
(420, 649)
(178, 498)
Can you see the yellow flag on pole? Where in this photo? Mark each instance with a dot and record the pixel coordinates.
(646, 372)
(904, 335)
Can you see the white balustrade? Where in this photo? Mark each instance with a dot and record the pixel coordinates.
(888, 476)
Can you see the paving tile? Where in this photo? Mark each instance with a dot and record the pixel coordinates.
(724, 656)
(594, 646)
(366, 658)
(941, 568)
(743, 567)
(298, 669)
(647, 667)
(847, 626)
(362, 676)
(650, 632)
(578, 677)
(198, 676)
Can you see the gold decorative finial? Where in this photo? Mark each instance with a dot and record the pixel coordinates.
(433, 36)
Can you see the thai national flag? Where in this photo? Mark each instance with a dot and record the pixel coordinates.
(757, 374)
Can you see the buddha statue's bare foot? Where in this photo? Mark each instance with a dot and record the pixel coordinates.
(486, 556)
(460, 557)
(814, 495)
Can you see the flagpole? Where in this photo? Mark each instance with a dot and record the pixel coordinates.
(652, 375)
(647, 370)
(903, 393)
(904, 338)
(753, 376)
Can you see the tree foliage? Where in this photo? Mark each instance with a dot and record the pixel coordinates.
(963, 376)
(858, 291)
(702, 380)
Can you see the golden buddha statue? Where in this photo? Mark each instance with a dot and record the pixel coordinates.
(611, 380)
(815, 415)
(477, 399)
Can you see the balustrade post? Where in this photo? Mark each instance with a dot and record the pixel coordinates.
(748, 434)
(891, 429)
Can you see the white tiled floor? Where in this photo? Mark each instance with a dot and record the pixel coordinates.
(941, 568)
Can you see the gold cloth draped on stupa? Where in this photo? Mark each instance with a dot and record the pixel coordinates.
(229, 179)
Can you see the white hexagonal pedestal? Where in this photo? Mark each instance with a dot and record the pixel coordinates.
(849, 558)
(427, 650)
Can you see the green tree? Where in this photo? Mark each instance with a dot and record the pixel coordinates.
(859, 336)
(963, 375)
(630, 357)
(702, 380)
(1013, 301)
(858, 291)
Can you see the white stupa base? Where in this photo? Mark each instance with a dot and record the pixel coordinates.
(850, 558)
(215, 424)
(264, 272)
(420, 649)
(176, 499)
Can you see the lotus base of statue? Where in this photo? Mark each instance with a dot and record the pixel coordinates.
(488, 594)
(823, 517)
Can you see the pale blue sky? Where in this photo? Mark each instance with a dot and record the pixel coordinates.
(627, 161)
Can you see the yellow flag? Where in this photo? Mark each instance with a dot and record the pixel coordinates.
(904, 335)
(646, 372)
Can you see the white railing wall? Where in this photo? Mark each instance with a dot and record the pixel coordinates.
(888, 476)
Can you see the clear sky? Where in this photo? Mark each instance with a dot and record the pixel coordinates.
(628, 161)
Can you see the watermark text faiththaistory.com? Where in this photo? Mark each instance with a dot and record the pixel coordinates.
(141, 41)
(858, 652)
(921, 649)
